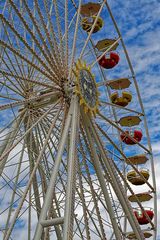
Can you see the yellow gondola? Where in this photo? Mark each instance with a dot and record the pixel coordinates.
(123, 100)
(134, 178)
(132, 235)
(142, 197)
(87, 24)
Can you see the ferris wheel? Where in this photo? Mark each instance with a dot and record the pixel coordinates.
(75, 154)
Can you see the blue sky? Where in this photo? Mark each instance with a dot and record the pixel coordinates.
(139, 22)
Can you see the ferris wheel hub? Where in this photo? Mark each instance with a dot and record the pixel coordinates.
(86, 88)
(43, 99)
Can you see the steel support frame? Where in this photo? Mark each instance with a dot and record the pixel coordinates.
(49, 194)
(116, 184)
(71, 167)
(86, 123)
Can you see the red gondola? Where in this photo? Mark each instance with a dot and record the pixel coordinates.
(109, 61)
(141, 217)
(136, 134)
